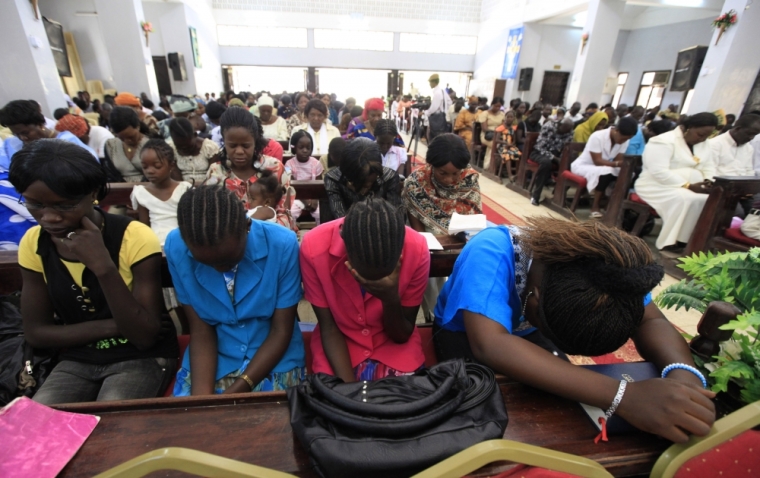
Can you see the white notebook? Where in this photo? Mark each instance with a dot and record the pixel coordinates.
(432, 241)
(469, 223)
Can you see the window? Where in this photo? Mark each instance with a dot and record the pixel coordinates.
(652, 88)
(451, 44)
(238, 35)
(353, 40)
(622, 78)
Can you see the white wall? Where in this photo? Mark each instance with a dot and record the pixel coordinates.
(558, 47)
(171, 36)
(657, 48)
(304, 57)
(199, 15)
(93, 54)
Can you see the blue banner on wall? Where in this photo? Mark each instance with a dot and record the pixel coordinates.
(514, 44)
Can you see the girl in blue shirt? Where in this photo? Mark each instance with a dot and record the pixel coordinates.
(239, 283)
(519, 297)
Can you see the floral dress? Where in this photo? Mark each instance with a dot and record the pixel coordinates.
(219, 173)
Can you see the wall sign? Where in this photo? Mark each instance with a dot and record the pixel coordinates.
(514, 44)
(196, 50)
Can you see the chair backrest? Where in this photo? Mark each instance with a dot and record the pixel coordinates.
(624, 182)
(570, 153)
(476, 130)
(530, 142)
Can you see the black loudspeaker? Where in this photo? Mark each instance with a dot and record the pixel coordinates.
(688, 65)
(526, 76)
(177, 65)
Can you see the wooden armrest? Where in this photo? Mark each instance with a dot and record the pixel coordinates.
(727, 427)
(479, 455)
(189, 461)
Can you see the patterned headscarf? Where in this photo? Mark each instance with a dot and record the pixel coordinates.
(74, 124)
(182, 104)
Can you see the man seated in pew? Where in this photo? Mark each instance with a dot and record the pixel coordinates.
(520, 298)
(361, 175)
(733, 155)
(602, 158)
(239, 283)
(547, 151)
(676, 178)
(365, 276)
(91, 283)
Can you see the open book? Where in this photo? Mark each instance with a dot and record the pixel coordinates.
(631, 372)
(470, 224)
(38, 441)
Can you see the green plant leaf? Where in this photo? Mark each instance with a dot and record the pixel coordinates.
(689, 295)
(751, 391)
(734, 369)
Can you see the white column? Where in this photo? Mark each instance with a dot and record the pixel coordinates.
(731, 66)
(593, 61)
(130, 57)
(29, 71)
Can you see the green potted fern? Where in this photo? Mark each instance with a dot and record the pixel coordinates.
(732, 277)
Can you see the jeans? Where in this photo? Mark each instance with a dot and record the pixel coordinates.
(72, 382)
(543, 173)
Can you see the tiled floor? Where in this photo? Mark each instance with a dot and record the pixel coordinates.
(520, 206)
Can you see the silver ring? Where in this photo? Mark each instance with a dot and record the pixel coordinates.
(68, 236)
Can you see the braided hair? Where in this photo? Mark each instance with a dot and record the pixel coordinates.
(594, 283)
(373, 233)
(207, 215)
(385, 127)
(164, 152)
(235, 117)
(361, 159)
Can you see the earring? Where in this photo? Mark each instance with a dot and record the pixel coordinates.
(525, 304)
(96, 202)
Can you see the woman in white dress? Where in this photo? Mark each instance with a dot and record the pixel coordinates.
(602, 157)
(321, 132)
(274, 126)
(677, 176)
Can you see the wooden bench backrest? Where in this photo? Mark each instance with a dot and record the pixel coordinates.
(719, 210)
(614, 215)
(570, 153)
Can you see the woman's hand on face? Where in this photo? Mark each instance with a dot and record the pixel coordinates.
(669, 408)
(384, 288)
(86, 245)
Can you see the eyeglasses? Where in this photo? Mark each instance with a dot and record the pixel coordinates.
(63, 208)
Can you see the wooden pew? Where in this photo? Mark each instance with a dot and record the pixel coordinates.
(613, 217)
(570, 153)
(255, 428)
(715, 220)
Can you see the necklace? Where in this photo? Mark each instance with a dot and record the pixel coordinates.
(525, 304)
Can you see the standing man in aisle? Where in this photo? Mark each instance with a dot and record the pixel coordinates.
(439, 105)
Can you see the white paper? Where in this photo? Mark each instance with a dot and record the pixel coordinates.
(432, 242)
(469, 223)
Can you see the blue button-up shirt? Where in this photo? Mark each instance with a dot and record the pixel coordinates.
(268, 278)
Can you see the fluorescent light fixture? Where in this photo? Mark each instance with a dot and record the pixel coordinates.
(86, 14)
(683, 3)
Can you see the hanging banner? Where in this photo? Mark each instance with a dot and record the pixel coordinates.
(514, 44)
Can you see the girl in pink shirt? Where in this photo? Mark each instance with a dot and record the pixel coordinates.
(304, 167)
(365, 276)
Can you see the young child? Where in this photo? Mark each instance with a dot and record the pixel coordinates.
(263, 197)
(92, 282)
(239, 283)
(303, 167)
(156, 203)
(365, 276)
(394, 157)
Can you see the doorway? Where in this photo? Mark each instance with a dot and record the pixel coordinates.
(553, 87)
(499, 87)
(162, 75)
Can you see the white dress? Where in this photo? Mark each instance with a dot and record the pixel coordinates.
(599, 142)
(98, 137)
(163, 214)
(277, 131)
(668, 165)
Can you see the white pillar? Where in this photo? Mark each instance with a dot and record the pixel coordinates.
(29, 71)
(529, 50)
(593, 61)
(130, 58)
(731, 66)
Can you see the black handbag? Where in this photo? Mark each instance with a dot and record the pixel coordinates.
(489, 135)
(396, 426)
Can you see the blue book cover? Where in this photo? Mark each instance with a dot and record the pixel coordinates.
(631, 372)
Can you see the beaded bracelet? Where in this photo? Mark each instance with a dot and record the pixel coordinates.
(610, 411)
(688, 368)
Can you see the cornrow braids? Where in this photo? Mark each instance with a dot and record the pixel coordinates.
(386, 127)
(207, 215)
(594, 283)
(235, 117)
(373, 233)
(163, 151)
